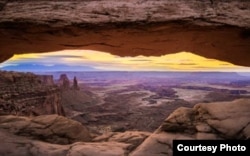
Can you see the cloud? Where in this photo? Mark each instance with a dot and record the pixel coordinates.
(141, 60)
(40, 68)
(49, 65)
(188, 64)
(92, 60)
(165, 64)
(8, 64)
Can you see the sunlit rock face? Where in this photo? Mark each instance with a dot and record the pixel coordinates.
(28, 94)
(55, 129)
(215, 29)
(57, 135)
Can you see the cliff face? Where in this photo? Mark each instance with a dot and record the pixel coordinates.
(28, 94)
(212, 28)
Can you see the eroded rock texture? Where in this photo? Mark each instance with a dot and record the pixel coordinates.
(27, 147)
(134, 138)
(219, 120)
(51, 135)
(212, 28)
(50, 128)
(56, 135)
(28, 94)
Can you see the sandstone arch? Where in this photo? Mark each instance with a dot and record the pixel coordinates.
(217, 30)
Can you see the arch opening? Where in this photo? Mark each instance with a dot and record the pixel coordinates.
(99, 88)
(89, 60)
(133, 87)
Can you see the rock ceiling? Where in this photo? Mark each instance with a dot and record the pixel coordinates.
(215, 29)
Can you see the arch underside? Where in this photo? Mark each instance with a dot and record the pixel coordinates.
(214, 29)
(225, 43)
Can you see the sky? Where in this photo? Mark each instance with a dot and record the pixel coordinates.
(88, 60)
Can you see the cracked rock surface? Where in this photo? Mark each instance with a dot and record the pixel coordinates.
(28, 147)
(225, 119)
(49, 128)
(55, 135)
(58, 13)
(218, 120)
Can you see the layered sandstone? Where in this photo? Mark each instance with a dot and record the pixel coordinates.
(66, 12)
(28, 94)
(215, 29)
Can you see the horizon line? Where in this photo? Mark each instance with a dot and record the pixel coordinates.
(159, 71)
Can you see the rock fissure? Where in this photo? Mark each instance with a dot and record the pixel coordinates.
(240, 133)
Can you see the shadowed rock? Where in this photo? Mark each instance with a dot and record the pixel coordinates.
(75, 84)
(128, 28)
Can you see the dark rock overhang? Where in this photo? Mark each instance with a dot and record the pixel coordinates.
(214, 29)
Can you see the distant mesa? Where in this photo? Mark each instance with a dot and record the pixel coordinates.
(47, 79)
(27, 94)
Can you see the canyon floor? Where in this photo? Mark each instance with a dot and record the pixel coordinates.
(122, 101)
(119, 113)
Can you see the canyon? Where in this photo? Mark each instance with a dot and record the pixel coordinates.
(40, 116)
(118, 116)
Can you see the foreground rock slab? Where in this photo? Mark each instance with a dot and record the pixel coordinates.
(219, 120)
(53, 135)
(228, 120)
(44, 135)
(12, 145)
(134, 138)
(49, 128)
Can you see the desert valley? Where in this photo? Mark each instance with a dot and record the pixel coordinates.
(119, 113)
(120, 101)
(124, 78)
